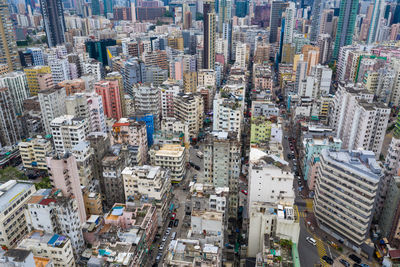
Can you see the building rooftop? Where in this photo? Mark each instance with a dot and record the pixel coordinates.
(10, 191)
(360, 161)
(53, 240)
(18, 255)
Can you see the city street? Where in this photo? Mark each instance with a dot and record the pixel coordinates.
(179, 199)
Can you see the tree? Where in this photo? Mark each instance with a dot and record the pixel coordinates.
(44, 184)
(199, 16)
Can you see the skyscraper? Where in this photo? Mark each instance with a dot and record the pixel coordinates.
(8, 47)
(209, 23)
(345, 27)
(277, 9)
(225, 13)
(289, 23)
(54, 24)
(316, 19)
(377, 15)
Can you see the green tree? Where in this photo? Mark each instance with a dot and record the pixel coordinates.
(199, 16)
(44, 184)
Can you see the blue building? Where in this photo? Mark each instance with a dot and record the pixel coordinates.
(149, 120)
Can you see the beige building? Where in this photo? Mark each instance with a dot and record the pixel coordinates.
(13, 197)
(206, 78)
(152, 182)
(172, 157)
(56, 247)
(190, 108)
(33, 152)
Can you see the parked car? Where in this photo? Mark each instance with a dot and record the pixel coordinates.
(197, 167)
(355, 258)
(176, 223)
(171, 223)
(311, 241)
(244, 192)
(173, 216)
(327, 259)
(344, 262)
(158, 258)
(356, 265)
(164, 238)
(200, 154)
(161, 247)
(364, 265)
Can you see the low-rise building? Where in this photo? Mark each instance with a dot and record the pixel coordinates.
(57, 248)
(187, 252)
(171, 157)
(33, 152)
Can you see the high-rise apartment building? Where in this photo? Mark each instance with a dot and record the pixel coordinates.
(209, 24)
(222, 165)
(32, 77)
(148, 101)
(376, 23)
(345, 194)
(277, 8)
(54, 23)
(109, 91)
(68, 131)
(10, 127)
(172, 157)
(8, 46)
(18, 87)
(357, 120)
(13, 226)
(190, 108)
(345, 27)
(64, 176)
(317, 8)
(52, 105)
(290, 13)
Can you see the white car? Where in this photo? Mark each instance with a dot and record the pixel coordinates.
(164, 238)
(311, 241)
(161, 247)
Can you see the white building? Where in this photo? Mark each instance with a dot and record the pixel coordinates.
(358, 122)
(228, 115)
(345, 194)
(268, 219)
(94, 68)
(68, 131)
(88, 106)
(13, 197)
(60, 69)
(290, 14)
(18, 87)
(172, 157)
(222, 164)
(55, 247)
(210, 222)
(206, 78)
(83, 154)
(241, 55)
(270, 179)
(56, 214)
(150, 182)
(52, 105)
(148, 101)
(189, 108)
(168, 93)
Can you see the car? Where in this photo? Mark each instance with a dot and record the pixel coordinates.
(355, 258)
(171, 223)
(364, 265)
(173, 216)
(344, 262)
(244, 192)
(311, 241)
(167, 232)
(356, 265)
(294, 163)
(327, 259)
(161, 247)
(176, 223)
(164, 238)
(158, 258)
(197, 167)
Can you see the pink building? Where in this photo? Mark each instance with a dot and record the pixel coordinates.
(63, 172)
(109, 91)
(220, 58)
(143, 216)
(395, 32)
(131, 132)
(179, 70)
(312, 175)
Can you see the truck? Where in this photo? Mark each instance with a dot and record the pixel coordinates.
(200, 154)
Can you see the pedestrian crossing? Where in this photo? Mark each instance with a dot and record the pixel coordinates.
(321, 251)
(302, 214)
